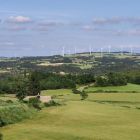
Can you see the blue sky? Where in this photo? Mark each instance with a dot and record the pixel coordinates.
(44, 27)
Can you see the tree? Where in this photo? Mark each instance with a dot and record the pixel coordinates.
(21, 87)
(116, 79)
(34, 83)
(84, 95)
(24, 73)
(100, 82)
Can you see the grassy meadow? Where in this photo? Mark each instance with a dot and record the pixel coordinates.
(78, 120)
(129, 87)
(102, 116)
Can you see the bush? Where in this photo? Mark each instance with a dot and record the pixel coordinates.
(34, 102)
(84, 95)
(54, 96)
(75, 91)
(9, 101)
(53, 103)
(1, 136)
(15, 114)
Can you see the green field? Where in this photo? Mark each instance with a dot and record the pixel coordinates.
(102, 116)
(78, 120)
(56, 92)
(129, 87)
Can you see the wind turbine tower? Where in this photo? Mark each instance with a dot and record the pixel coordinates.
(63, 51)
(122, 50)
(101, 52)
(90, 49)
(109, 48)
(131, 49)
(75, 49)
(69, 52)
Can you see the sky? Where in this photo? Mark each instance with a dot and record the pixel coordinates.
(44, 27)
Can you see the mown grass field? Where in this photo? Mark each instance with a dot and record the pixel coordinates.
(57, 92)
(128, 87)
(78, 120)
(102, 116)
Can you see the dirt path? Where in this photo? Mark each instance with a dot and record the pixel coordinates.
(82, 87)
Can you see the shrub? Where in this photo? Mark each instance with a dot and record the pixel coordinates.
(34, 102)
(9, 101)
(75, 91)
(53, 103)
(15, 114)
(1, 136)
(84, 95)
(54, 96)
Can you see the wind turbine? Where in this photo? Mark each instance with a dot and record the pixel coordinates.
(122, 50)
(63, 51)
(109, 48)
(90, 49)
(101, 52)
(75, 49)
(131, 49)
(69, 52)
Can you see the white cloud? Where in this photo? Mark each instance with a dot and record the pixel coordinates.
(119, 33)
(108, 20)
(134, 32)
(40, 28)
(48, 23)
(99, 21)
(7, 43)
(19, 19)
(15, 28)
(89, 28)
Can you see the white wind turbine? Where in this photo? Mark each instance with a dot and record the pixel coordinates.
(109, 48)
(131, 49)
(101, 52)
(122, 50)
(63, 51)
(75, 49)
(90, 49)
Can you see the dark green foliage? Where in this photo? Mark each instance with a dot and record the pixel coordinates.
(111, 79)
(1, 136)
(61, 60)
(24, 73)
(34, 83)
(53, 103)
(75, 91)
(12, 115)
(9, 101)
(84, 95)
(21, 87)
(116, 79)
(100, 82)
(34, 102)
